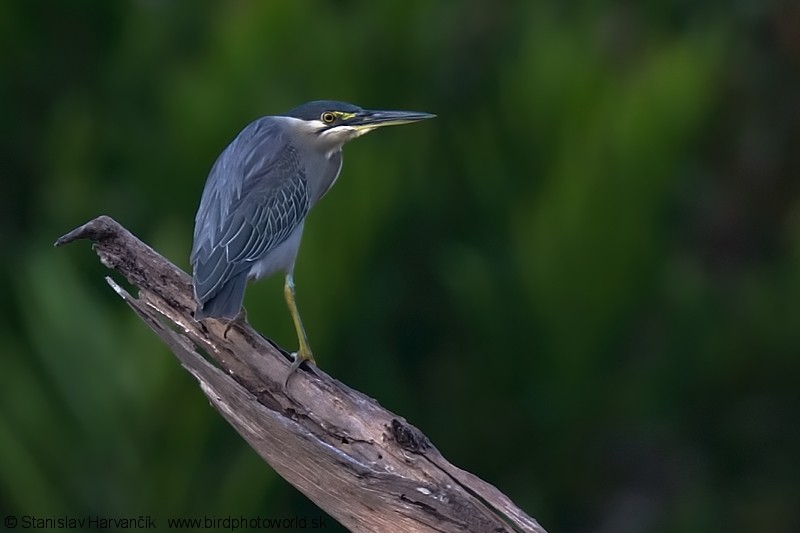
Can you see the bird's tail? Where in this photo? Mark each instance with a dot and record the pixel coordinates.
(226, 302)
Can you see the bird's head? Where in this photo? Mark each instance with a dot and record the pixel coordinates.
(334, 123)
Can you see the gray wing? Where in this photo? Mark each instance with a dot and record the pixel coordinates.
(255, 196)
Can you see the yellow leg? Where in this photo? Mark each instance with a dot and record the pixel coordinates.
(304, 353)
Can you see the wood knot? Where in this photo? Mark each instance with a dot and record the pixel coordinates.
(409, 438)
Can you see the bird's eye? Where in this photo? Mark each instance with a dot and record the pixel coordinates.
(328, 117)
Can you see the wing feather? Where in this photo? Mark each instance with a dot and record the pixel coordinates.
(255, 196)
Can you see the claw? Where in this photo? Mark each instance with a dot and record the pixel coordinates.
(240, 318)
(299, 357)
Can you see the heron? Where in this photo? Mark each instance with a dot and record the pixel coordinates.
(256, 199)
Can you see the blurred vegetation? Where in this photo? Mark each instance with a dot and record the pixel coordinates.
(582, 280)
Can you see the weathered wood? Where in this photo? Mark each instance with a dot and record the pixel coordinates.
(365, 466)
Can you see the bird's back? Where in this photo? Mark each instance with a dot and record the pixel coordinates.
(255, 197)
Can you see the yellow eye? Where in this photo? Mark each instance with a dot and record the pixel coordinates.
(328, 117)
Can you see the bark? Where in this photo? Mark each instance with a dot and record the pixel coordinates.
(366, 467)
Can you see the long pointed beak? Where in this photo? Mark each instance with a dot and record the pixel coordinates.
(375, 119)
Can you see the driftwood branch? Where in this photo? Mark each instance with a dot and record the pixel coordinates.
(365, 466)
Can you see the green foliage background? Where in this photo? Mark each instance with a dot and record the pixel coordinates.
(582, 280)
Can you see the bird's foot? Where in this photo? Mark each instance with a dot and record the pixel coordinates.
(303, 354)
(239, 320)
